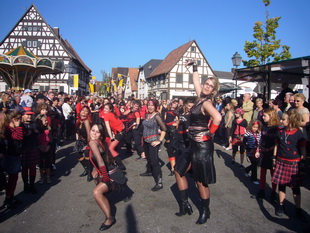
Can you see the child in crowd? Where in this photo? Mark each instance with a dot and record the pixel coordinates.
(269, 129)
(44, 148)
(251, 141)
(289, 142)
(238, 129)
(30, 154)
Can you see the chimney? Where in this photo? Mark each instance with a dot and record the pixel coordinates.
(56, 30)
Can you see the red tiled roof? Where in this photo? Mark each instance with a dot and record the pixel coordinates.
(171, 60)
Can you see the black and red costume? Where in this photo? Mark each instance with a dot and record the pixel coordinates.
(198, 154)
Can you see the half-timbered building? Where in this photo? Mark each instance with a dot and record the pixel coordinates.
(37, 36)
(172, 79)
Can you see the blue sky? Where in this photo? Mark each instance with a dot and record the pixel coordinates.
(128, 33)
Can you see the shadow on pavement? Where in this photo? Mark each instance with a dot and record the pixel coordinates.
(293, 224)
(238, 172)
(131, 220)
(66, 160)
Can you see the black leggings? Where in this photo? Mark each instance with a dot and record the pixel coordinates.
(151, 153)
(296, 190)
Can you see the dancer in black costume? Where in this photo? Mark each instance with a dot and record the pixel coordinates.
(199, 155)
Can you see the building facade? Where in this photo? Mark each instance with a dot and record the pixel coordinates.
(144, 73)
(171, 79)
(37, 36)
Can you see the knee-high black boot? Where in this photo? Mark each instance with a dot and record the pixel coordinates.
(204, 212)
(185, 207)
(159, 183)
(89, 170)
(119, 163)
(84, 164)
(26, 184)
(32, 188)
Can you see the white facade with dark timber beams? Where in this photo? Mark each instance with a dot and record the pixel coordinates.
(144, 73)
(33, 33)
(172, 79)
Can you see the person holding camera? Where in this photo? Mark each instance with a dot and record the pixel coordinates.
(199, 155)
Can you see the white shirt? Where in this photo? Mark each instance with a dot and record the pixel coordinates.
(66, 110)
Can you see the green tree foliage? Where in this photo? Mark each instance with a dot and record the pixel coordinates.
(102, 90)
(265, 47)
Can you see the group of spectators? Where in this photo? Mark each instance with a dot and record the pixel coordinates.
(272, 135)
(34, 125)
(32, 128)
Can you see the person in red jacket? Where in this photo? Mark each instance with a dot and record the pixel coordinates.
(80, 104)
(116, 131)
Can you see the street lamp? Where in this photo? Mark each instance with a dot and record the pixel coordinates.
(236, 60)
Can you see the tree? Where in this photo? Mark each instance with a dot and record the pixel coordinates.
(265, 46)
(102, 90)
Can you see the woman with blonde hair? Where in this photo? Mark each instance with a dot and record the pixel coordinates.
(4, 102)
(259, 111)
(289, 153)
(235, 103)
(299, 100)
(199, 155)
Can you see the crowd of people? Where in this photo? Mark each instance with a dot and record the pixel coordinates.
(271, 135)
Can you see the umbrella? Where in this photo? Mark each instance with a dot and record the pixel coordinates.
(227, 87)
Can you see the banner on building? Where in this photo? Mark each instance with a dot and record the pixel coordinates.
(92, 84)
(76, 80)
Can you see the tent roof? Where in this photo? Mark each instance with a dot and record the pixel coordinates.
(20, 51)
(290, 71)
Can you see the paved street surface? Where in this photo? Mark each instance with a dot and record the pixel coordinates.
(67, 204)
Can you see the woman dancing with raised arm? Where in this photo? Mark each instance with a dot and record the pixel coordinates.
(199, 155)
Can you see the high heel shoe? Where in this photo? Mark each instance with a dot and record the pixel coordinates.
(185, 208)
(104, 227)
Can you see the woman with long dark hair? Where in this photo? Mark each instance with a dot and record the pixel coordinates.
(199, 155)
(106, 174)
